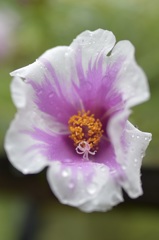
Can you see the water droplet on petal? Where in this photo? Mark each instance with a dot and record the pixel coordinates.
(103, 168)
(132, 135)
(68, 160)
(113, 171)
(132, 149)
(124, 167)
(40, 92)
(71, 185)
(135, 160)
(92, 189)
(65, 173)
(51, 95)
(138, 136)
(146, 138)
(25, 171)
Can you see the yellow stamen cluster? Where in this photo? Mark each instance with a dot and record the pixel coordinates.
(85, 127)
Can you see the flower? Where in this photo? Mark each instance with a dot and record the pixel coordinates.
(73, 107)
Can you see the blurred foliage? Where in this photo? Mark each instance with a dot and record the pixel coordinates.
(123, 223)
(59, 222)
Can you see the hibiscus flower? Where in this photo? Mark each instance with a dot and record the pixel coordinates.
(73, 106)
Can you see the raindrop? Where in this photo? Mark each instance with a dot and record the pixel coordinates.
(68, 160)
(138, 136)
(40, 92)
(132, 135)
(124, 167)
(71, 185)
(25, 171)
(59, 115)
(146, 138)
(113, 171)
(92, 188)
(65, 173)
(132, 149)
(103, 168)
(135, 160)
(51, 95)
(142, 155)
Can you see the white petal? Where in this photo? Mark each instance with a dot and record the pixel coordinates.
(17, 144)
(132, 81)
(19, 92)
(62, 60)
(98, 194)
(93, 45)
(34, 71)
(59, 60)
(115, 132)
(137, 142)
(109, 196)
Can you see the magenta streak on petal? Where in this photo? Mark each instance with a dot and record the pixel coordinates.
(97, 88)
(54, 147)
(52, 101)
(60, 148)
(106, 155)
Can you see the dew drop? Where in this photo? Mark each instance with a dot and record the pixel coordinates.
(40, 92)
(132, 149)
(142, 155)
(25, 171)
(59, 115)
(113, 171)
(92, 189)
(132, 135)
(71, 185)
(103, 168)
(51, 95)
(135, 160)
(65, 173)
(124, 167)
(68, 160)
(138, 136)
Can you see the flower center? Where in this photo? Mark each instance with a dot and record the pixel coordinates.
(86, 132)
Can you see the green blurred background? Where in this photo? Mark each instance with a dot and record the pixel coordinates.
(27, 29)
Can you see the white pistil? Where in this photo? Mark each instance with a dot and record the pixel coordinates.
(84, 148)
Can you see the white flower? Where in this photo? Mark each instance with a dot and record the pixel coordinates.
(73, 108)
